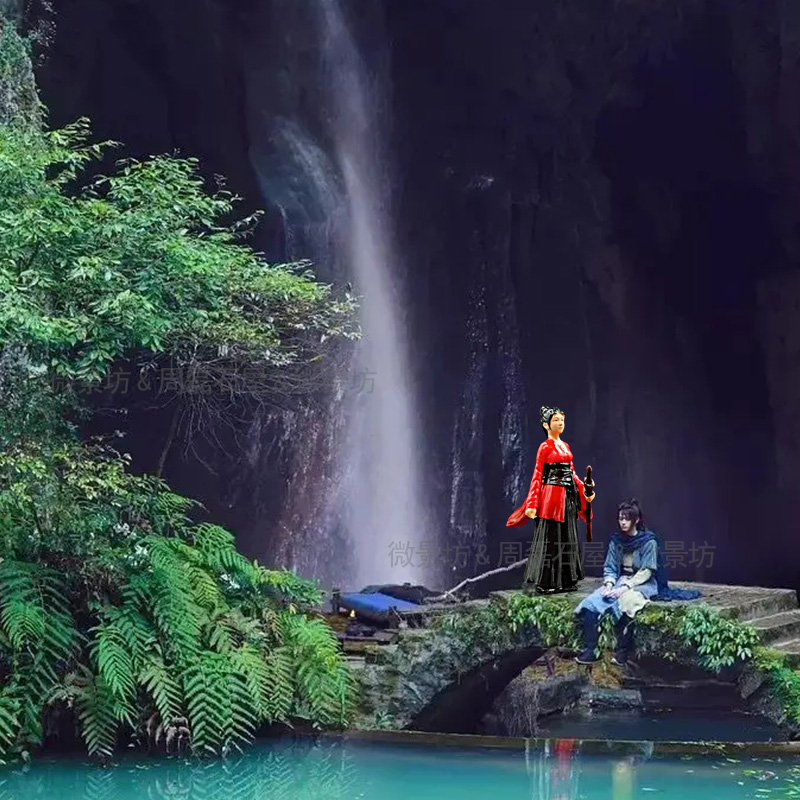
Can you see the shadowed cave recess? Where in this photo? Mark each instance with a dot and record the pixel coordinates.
(592, 209)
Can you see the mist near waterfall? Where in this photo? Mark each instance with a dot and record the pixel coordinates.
(354, 511)
(386, 514)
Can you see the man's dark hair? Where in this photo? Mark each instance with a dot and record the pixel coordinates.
(629, 509)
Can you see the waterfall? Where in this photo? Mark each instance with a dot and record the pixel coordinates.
(353, 511)
(386, 516)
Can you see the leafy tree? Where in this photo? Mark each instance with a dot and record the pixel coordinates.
(115, 604)
(139, 262)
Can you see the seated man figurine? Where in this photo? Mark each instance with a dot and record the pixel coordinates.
(629, 583)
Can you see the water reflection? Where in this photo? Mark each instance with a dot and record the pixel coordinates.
(554, 771)
(335, 770)
(622, 780)
(321, 773)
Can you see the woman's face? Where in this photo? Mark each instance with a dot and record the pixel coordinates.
(557, 423)
(626, 525)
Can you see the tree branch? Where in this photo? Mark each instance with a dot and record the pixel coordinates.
(450, 593)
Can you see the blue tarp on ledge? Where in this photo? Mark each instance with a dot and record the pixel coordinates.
(374, 605)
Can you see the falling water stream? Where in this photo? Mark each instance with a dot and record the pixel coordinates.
(386, 514)
(353, 510)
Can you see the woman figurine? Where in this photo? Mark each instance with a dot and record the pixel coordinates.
(556, 501)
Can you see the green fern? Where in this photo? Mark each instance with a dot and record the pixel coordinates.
(9, 721)
(281, 670)
(248, 662)
(191, 636)
(97, 711)
(220, 707)
(21, 607)
(114, 663)
(116, 607)
(165, 690)
(40, 636)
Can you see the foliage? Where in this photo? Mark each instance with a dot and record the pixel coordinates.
(475, 627)
(138, 262)
(553, 617)
(784, 682)
(719, 641)
(380, 721)
(114, 603)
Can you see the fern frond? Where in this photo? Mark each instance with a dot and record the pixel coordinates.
(97, 713)
(59, 639)
(280, 664)
(9, 722)
(287, 585)
(213, 539)
(164, 689)
(220, 708)
(206, 589)
(41, 635)
(129, 627)
(21, 604)
(322, 679)
(169, 512)
(115, 667)
(216, 546)
(172, 601)
(220, 633)
(250, 663)
(23, 622)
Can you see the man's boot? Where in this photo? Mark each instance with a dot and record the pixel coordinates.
(624, 632)
(591, 633)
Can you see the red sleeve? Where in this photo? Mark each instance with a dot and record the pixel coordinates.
(519, 517)
(532, 500)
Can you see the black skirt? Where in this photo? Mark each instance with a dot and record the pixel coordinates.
(554, 563)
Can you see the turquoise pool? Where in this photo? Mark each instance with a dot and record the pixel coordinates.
(333, 770)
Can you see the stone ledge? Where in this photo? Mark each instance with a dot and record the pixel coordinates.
(434, 668)
(601, 697)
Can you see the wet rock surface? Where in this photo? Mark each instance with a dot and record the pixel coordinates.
(432, 681)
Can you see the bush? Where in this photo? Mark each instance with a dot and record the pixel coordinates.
(115, 604)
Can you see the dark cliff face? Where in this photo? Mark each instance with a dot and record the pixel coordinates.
(623, 182)
(600, 215)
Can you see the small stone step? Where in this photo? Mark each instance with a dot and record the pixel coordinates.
(774, 601)
(686, 694)
(380, 654)
(599, 697)
(776, 627)
(791, 649)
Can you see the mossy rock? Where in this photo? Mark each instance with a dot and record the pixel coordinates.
(19, 98)
(695, 639)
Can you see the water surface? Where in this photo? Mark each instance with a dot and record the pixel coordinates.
(333, 770)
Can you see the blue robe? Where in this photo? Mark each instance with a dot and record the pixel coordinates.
(648, 553)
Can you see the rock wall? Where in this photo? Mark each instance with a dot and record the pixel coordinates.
(588, 197)
(473, 670)
(399, 683)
